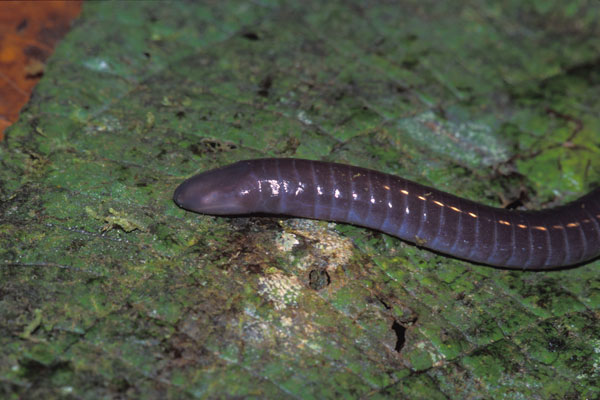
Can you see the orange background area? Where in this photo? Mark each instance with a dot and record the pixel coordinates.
(29, 30)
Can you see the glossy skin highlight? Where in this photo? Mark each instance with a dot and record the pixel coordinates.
(546, 239)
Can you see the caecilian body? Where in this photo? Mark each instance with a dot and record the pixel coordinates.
(465, 229)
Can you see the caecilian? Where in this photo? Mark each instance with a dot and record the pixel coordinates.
(545, 239)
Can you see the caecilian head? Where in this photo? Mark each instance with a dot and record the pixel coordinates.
(223, 191)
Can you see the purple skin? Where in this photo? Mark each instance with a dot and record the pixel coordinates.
(533, 240)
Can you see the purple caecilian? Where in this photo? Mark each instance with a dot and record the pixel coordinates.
(544, 239)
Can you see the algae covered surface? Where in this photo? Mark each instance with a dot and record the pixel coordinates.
(107, 289)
